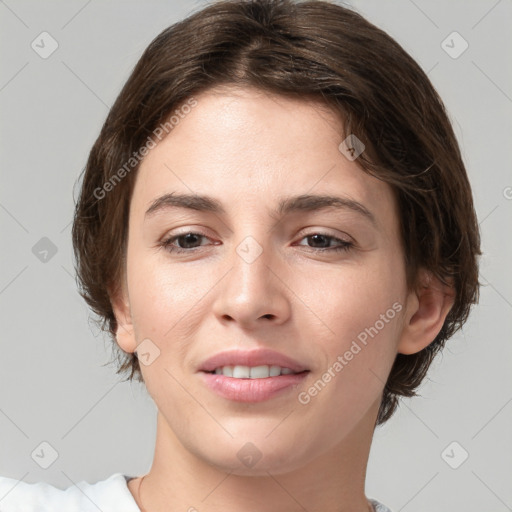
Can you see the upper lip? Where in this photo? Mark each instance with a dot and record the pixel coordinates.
(257, 357)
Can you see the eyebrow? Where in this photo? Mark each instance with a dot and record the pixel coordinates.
(301, 203)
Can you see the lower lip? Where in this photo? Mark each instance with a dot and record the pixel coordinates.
(252, 390)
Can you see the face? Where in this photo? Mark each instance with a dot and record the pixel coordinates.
(269, 302)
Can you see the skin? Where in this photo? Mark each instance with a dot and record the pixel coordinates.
(248, 149)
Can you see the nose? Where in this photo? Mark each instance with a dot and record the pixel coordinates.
(254, 292)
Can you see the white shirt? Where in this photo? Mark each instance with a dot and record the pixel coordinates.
(110, 495)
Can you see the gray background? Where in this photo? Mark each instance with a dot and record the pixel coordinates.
(54, 386)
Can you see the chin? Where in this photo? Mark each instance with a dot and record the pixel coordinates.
(258, 455)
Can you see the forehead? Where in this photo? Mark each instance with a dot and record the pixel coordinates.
(248, 146)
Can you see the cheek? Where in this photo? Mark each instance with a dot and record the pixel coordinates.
(169, 304)
(165, 305)
(361, 311)
(163, 296)
(352, 299)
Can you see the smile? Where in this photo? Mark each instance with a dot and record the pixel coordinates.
(251, 376)
(254, 372)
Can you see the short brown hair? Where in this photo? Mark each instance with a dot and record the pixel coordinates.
(310, 49)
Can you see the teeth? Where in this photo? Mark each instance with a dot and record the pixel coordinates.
(241, 372)
(275, 371)
(254, 372)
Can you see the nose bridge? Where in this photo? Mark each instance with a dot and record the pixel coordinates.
(251, 291)
(251, 262)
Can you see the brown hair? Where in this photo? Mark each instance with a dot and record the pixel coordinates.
(309, 49)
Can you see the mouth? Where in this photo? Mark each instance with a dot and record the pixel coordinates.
(255, 372)
(252, 376)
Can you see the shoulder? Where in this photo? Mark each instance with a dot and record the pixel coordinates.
(110, 495)
(379, 507)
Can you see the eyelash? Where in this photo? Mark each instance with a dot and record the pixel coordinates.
(167, 243)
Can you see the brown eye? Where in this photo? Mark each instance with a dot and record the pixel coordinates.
(185, 242)
(325, 242)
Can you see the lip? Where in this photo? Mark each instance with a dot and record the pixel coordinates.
(256, 357)
(251, 390)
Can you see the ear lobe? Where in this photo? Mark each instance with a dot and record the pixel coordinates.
(426, 313)
(125, 335)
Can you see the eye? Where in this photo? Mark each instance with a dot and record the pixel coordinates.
(187, 242)
(323, 242)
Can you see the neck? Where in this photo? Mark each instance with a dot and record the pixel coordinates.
(332, 482)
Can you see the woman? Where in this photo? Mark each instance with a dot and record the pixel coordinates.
(276, 226)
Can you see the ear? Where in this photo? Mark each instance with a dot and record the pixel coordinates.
(426, 311)
(125, 334)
